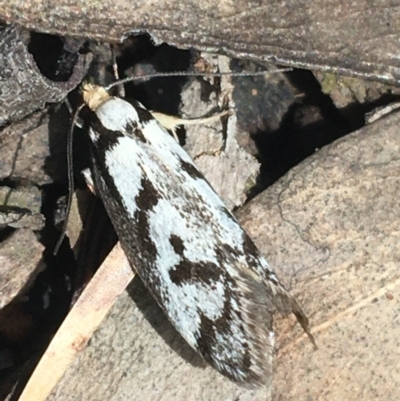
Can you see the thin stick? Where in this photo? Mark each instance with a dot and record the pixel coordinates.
(83, 319)
(121, 89)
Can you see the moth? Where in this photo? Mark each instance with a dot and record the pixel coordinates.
(195, 259)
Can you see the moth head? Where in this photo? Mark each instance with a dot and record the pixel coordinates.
(94, 96)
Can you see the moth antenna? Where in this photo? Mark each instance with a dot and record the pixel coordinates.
(78, 122)
(193, 74)
(70, 176)
(120, 84)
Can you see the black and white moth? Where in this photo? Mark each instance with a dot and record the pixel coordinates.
(201, 267)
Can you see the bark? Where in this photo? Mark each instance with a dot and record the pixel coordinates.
(359, 38)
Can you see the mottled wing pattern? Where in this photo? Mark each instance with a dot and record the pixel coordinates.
(191, 253)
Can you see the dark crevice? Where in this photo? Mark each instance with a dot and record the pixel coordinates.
(54, 56)
(161, 94)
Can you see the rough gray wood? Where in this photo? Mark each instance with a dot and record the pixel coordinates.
(214, 147)
(23, 88)
(331, 227)
(359, 38)
(20, 255)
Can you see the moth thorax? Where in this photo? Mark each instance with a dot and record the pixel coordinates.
(94, 96)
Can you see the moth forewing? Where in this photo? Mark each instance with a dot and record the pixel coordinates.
(198, 263)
